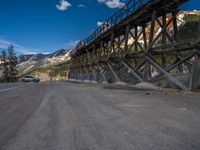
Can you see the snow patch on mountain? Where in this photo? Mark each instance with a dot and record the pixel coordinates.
(28, 63)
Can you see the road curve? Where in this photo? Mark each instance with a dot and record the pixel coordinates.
(69, 116)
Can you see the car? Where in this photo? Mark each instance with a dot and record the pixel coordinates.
(30, 79)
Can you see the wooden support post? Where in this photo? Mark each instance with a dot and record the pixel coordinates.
(95, 54)
(144, 37)
(151, 34)
(178, 54)
(164, 40)
(136, 39)
(199, 33)
(80, 74)
(151, 41)
(87, 72)
(100, 54)
(113, 72)
(71, 74)
(107, 49)
(77, 69)
(92, 53)
(175, 25)
(195, 75)
(94, 74)
(126, 39)
(136, 43)
(102, 74)
(112, 44)
(199, 26)
(75, 73)
(133, 72)
(81, 68)
(103, 50)
(118, 46)
(147, 71)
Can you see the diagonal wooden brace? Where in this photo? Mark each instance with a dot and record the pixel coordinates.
(166, 74)
(133, 72)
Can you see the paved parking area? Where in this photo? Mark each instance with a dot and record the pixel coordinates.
(69, 116)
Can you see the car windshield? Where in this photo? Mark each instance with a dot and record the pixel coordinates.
(29, 77)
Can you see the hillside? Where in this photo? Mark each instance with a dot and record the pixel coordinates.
(28, 63)
(52, 72)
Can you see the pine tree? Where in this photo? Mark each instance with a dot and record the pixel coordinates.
(9, 64)
(5, 66)
(12, 64)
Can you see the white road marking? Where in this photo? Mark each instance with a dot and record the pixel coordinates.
(13, 88)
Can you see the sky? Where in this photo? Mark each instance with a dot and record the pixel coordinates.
(44, 26)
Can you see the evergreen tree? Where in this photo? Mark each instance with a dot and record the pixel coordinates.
(5, 66)
(10, 63)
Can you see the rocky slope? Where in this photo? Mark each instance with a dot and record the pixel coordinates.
(27, 63)
(53, 72)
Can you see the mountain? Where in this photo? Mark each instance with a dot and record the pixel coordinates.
(31, 57)
(40, 56)
(58, 53)
(31, 62)
(23, 58)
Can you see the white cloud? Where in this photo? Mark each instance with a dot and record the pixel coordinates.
(63, 5)
(17, 48)
(112, 3)
(99, 23)
(81, 6)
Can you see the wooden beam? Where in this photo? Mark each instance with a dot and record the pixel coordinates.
(126, 39)
(102, 74)
(113, 72)
(133, 72)
(166, 74)
(195, 75)
(151, 34)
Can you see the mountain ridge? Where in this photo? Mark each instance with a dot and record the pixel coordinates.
(36, 61)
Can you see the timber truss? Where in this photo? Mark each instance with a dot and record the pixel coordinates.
(139, 43)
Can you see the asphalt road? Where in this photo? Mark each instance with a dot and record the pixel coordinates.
(69, 116)
(10, 86)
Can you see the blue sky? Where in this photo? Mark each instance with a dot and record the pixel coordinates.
(48, 25)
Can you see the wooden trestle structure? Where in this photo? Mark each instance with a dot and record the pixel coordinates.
(139, 43)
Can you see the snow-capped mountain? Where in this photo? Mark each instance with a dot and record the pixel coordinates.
(61, 53)
(37, 57)
(31, 57)
(31, 62)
